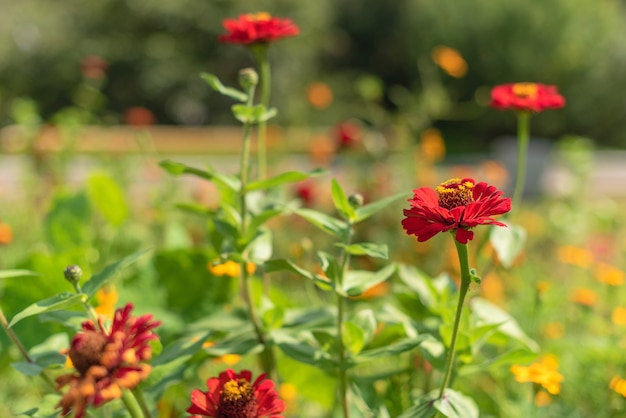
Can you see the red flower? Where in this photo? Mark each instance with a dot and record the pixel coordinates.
(456, 205)
(107, 362)
(232, 395)
(257, 28)
(526, 97)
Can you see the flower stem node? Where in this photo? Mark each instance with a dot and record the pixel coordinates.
(73, 273)
(248, 78)
(355, 200)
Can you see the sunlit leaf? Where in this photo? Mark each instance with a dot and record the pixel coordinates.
(55, 303)
(356, 282)
(508, 242)
(353, 337)
(370, 209)
(178, 169)
(341, 202)
(324, 222)
(7, 274)
(366, 248)
(109, 272)
(287, 177)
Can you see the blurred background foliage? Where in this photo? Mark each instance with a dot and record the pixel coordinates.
(370, 55)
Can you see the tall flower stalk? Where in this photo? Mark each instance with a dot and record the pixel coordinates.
(524, 99)
(249, 80)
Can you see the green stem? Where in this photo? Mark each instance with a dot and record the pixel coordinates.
(87, 307)
(341, 354)
(265, 79)
(267, 356)
(15, 339)
(465, 283)
(142, 402)
(131, 404)
(523, 138)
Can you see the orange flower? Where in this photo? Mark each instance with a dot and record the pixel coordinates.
(229, 268)
(553, 330)
(526, 97)
(6, 233)
(107, 298)
(450, 60)
(432, 146)
(319, 95)
(570, 254)
(618, 385)
(605, 273)
(258, 28)
(584, 296)
(544, 373)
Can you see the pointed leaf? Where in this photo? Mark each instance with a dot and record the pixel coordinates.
(55, 303)
(7, 274)
(341, 202)
(177, 169)
(358, 281)
(285, 265)
(109, 272)
(368, 210)
(353, 337)
(217, 85)
(326, 223)
(366, 248)
(287, 177)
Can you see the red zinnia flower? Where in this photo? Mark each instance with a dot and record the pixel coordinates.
(233, 395)
(107, 362)
(526, 97)
(257, 28)
(456, 205)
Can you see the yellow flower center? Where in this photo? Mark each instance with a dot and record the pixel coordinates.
(259, 17)
(455, 192)
(237, 400)
(525, 90)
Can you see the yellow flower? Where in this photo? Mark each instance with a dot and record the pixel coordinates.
(585, 297)
(610, 275)
(544, 373)
(107, 298)
(570, 254)
(229, 268)
(450, 60)
(553, 330)
(542, 398)
(619, 316)
(618, 385)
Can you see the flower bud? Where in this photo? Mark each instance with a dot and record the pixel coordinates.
(355, 200)
(248, 78)
(73, 273)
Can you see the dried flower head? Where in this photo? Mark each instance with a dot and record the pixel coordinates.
(234, 395)
(106, 362)
(456, 204)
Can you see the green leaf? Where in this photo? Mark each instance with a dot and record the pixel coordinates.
(7, 274)
(508, 242)
(487, 313)
(217, 85)
(368, 210)
(177, 169)
(287, 177)
(366, 321)
(393, 349)
(340, 200)
(47, 408)
(452, 405)
(55, 303)
(248, 114)
(107, 196)
(356, 282)
(514, 356)
(366, 248)
(28, 369)
(109, 272)
(303, 349)
(286, 265)
(324, 222)
(353, 337)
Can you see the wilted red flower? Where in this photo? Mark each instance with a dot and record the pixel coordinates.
(257, 28)
(526, 97)
(233, 395)
(456, 205)
(107, 362)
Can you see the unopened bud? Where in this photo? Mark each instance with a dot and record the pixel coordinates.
(355, 200)
(248, 78)
(72, 273)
